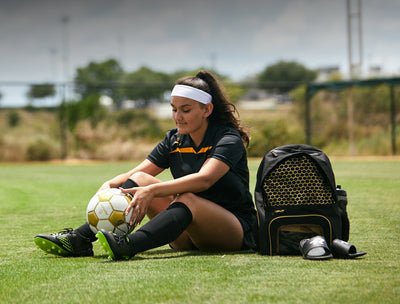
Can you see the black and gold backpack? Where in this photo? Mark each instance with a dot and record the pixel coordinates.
(296, 197)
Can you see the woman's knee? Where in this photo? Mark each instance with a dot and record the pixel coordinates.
(143, 179)
(188, 199)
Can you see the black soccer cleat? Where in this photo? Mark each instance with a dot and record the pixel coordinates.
(66, 243)
(117, 247)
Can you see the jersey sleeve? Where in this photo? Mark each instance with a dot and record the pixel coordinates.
(160, 154)
(229, 149)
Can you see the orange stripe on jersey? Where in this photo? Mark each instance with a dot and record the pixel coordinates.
(191, 150)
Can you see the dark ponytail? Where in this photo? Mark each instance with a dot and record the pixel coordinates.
(224, 111)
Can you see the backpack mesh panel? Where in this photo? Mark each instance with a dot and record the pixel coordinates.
(296, 181)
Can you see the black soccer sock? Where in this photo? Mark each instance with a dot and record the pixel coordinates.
(163, 229)
(85, 230)
(129, 184)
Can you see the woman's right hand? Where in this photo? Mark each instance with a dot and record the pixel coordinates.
(142, 198)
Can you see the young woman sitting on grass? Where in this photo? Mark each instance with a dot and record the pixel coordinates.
(206, 206)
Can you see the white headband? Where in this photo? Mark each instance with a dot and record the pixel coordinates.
(192, 93)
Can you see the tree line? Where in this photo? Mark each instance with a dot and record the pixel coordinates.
(110, 79)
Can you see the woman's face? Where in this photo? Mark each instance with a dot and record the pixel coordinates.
(190, 116)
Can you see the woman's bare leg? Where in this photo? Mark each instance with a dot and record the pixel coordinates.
(213, 227)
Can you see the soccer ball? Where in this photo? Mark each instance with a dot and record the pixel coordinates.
(106, 211)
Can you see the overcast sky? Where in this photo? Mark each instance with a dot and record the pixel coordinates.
(238, 38)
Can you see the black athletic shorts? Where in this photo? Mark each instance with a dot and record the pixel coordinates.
(248, 233)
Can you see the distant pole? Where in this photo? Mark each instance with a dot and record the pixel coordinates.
(65, 21)
(53, 72)
(393, 118)
(349, 38)
(360, 40)
(307, 118)
(350, 114)
(63, 117)
(354, 68)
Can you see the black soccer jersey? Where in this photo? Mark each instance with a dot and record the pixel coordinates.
(224, 143)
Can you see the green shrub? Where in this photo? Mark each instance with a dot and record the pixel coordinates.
(87, 108)
(40, 150)
(13, 118)
(140, 124)
(271, 135)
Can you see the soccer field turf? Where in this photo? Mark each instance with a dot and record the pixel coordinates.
(46, 197)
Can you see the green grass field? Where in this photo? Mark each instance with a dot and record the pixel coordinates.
(45, 198)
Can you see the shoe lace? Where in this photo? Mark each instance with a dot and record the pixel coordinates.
(65, 231)
(121, 238)
(120, 223)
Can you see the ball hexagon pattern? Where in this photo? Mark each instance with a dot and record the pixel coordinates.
(106, 211)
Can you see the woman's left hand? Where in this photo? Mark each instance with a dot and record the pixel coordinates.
(142, 198)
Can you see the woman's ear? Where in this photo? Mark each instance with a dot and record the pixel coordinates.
(208, 109)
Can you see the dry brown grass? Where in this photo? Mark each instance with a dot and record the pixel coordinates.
(40, 130)
(33, 127)
(111, 141)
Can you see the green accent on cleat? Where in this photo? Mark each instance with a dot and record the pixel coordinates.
(66, 243)
(116, 246)
(50, 247)
(104, 245)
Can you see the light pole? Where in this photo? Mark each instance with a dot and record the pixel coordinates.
(354, 68)
(63, 117)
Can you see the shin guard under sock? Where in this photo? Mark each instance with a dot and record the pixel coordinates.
(85, 230)
(163, 229)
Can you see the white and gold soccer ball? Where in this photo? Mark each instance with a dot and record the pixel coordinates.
(106, 210)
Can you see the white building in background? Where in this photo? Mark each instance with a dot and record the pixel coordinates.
(325, 73)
